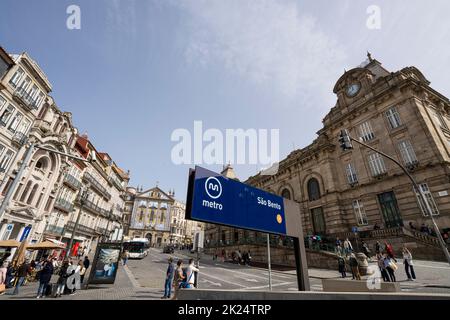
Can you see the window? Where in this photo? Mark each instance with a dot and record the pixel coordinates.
(438, 118)
(6, 115)
(16, 77)
(25, 83)
(32, 193)
(360, 214)
(407, 152)
(2, 101)
(4, 162)
(313, 189)
(33, 91)
(352, 177)
(39, 99)
(365, 131)
(15, 122)
(376, 164)
(286, 194)
(25, 191)
(393, 118)
(24, 125)
(426, 191)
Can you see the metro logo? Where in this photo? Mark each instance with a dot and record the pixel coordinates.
(213, 187)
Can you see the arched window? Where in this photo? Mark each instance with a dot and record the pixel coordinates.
(25, 191)
(313, 189)
(286, 194)
(32, 193)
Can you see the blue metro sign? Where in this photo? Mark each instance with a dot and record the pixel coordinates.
(220, 200)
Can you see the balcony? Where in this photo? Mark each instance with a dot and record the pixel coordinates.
(25, 99)
(63, 205)
(55, 230)
(116, 183)
(102, 231)
(19, 139)
(72, 182)
(96, 185)
(80, 228)
(87, 204)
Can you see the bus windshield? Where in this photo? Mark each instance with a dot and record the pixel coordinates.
(134, 247)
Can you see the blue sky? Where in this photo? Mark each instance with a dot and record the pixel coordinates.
(139, 69)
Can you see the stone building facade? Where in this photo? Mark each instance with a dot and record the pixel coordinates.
(44, 204)
(398, 113)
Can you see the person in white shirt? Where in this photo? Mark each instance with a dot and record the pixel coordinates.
(190, 275)
(409, 266)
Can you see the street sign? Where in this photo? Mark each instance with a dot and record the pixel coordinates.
(354, 229)
(220, 200)
(216, 199)
(198, 240)
(25, 233)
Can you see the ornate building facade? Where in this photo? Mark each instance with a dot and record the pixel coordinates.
(398, 113)
(45, 202)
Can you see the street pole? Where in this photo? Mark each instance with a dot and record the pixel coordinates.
(16, 180)
(75, 227)
(268, 262)
(422, 195)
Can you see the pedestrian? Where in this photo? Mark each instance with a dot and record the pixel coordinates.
(353, 262)
(169, 279)
(72, 270)
(390, 251)
(384, 273)
(44, 278)
(423, 228)
(82, 271)
(366, 250)
(341, 266)
(3, 271)
(86, 262)
(378, 247)
(412, 226)
(9, 276)
(178, 278)
(190, 275)
(62, 279)
(390, 266)
(407, 261)
(348, 248)
(22, 272)
(376, 226)
(125, 256)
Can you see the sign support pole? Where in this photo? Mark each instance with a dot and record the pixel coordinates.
(269, 264)
(300, 263)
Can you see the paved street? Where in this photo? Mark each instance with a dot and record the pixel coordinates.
(144, 279)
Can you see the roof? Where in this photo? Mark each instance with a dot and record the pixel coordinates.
(6, 57)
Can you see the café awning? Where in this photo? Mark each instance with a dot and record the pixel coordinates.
(46, 245)
(9, 244)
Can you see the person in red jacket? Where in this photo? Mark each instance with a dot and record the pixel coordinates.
(390, 251)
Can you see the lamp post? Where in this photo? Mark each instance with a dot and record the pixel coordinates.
(82, 198)
(345, 142)
(110, 216)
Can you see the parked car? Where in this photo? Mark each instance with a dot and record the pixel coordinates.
(168, 249)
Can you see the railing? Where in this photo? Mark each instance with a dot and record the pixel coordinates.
(95, 208)
(72, 181)
(64, 205)
(55, 229)
(19, 138)
(103, 231)
(95, 184)
(80, 228)
(116, 183)
(26, 99)
(275, 241)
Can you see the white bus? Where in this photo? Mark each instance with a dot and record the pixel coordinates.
(138, 247)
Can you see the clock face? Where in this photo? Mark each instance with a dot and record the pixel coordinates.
(353, 89)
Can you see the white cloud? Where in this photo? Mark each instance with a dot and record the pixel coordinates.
(266, 42)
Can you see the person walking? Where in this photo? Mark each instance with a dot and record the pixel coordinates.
(178, 279)
(341, 266)
(354, 266)
(125, 256)
(62, 279)
(22, 272)
(390, 251)
(390, 266)
(366, 250)
(190, 275)
(82, 271)
(3, 271)
(377, 248)
(86, 262)
(44, 278)
(407, 261)
(348, 248)
(169, 279)
(383, 271)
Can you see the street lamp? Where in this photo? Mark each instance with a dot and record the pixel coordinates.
(82, 199)
(345, 143)
(109, 216)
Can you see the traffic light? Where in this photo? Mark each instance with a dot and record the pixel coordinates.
(344, 140)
